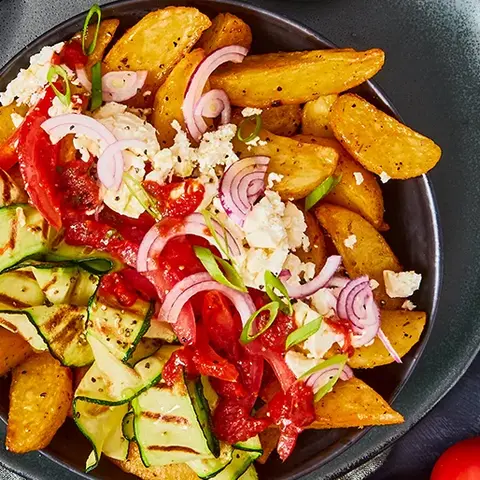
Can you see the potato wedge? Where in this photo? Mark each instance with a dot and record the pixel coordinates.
(283, 120)
(353, 404)
(303, 166)
(40, 397)
(13, 350)
(402, 328)
(370, 255)
(379, 142)
(317, 253)
(268, 439)
(316, 116)
(6, 125)
(365, 199)
(169, 98)
(226, 29)
(275, 79)
(156, 44)
(134, 465)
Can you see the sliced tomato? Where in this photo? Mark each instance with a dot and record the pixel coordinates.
(8, 151)
(72, 55)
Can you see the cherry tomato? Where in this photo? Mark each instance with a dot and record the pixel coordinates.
(459, 462)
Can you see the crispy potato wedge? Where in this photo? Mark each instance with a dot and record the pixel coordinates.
(317, 253)
(106, 32)
(275, 79)
(6, 125)
(365, 199)
(370, 255)
(268, 439)
(316, 116)
(402, 328)
(169, 98)
(40, 397)
(379, 142)
(156, 44)
(134, 465)
(303, 166)
(13, 350)
(226, 29)
(353, 404)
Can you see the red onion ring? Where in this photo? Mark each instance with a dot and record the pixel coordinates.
(112, 178)
(157, 237)
(309, 288)
(184, 290)
(198, 80)
(389, 346)
(83, 79)
(342, 298)
(337, 281)
(347, 373)
(320, 378)
(284, 275)
(211, 105)
(235, 183)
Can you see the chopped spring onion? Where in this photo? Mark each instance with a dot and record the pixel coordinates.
(273, 283)
(304, 332)
(96, 98)
(321, 191)
(247, 336)
(222, 245)
(140, 194)
(256, 131)
(230, 278)
(66, 97)
(94, 10)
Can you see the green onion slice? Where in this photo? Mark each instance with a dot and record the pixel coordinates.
(341, 360)
(273, 283)
(222, 244)
(304, 332)
(66, 97)
(247, 336)
(96, 98)
(256, 131)
(94, 10)
(321, 191)
(141, 195)
(230, 278)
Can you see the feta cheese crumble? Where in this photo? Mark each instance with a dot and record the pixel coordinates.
(17, 119)
(256, 142)
(384, 177)
(408, 305)
(358, 178)
(373, 284)
(273, 178)
(298, 270)
(298, 363)
(250, 112)
(295, 225)
(350, 241)
(402, 284)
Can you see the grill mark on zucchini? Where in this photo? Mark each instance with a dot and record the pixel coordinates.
(166, 418)
(9, 326)
(12, 302)
(162, 386)
(172, 448)
(10, 245)
(45, 229)
(74, 327)
(25, 274)
(6, 193)
(52, 281)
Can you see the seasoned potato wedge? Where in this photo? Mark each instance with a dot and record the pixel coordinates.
(6, 125)
(40, 397)
(402, 328)
(379, 142)
(226, 29)
(134, 465)
(366, 198)
(316, 116)
(268, 439)
(370, 255)
(156, 44)
(303, 166)
(169, 98)
(275, 79)
(353, 404)
(13, 350)
(317, 253)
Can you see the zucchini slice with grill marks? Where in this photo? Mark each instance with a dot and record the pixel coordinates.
(241, 462)
(250, 474)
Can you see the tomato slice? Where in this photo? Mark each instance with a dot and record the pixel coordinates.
(8, 151)
(72, 55)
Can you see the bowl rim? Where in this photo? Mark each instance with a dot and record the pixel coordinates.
(383, 98)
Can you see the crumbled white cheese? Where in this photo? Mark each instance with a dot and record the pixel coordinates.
(402, 284)
(59, 108)
(295, 225)
(16, 119)
(384, 177)
(324, 302)
(298, 270)
(28, 85)
(359, 340)
(298, 363)
(408, 305)
(250, 112)
(350, 241)
(373, 284)
(256, 142)
(253, 265)
(358, 177)
(273, 178)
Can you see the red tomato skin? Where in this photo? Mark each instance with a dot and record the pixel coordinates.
(72, 55)
(460, 462)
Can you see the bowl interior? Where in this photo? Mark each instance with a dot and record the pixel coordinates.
(410, 211)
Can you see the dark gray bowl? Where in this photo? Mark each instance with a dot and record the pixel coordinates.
(410, 210)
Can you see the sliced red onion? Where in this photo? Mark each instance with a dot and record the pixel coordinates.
(121, 86)
(337, 281)
(319, 379)
(342, 298)
(198, 80)
(309, 288)
(158, 236)
(83, 79)
(282, 371)
(284, 275)
(256, 188)
(184, 290)
(347, 373)
(371, 326)
(211, 105)
(389, 346)
(235, 183)
(110, 165)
